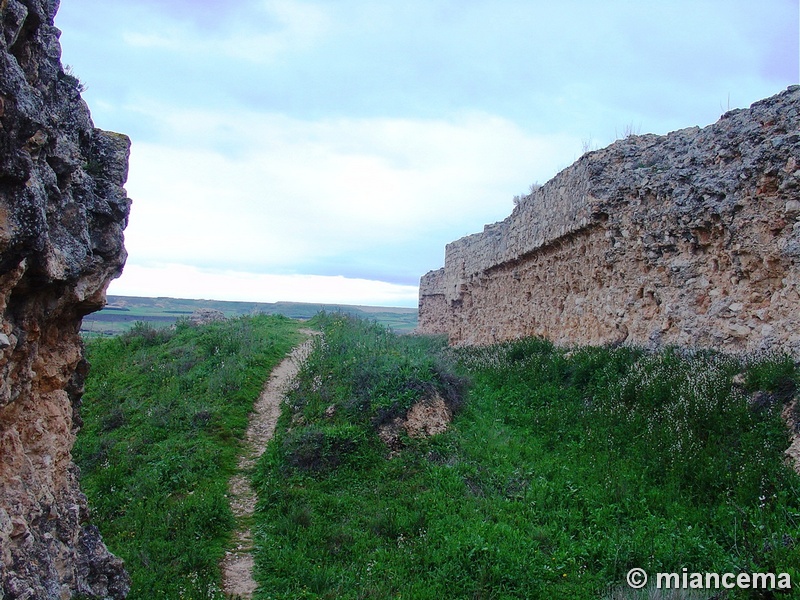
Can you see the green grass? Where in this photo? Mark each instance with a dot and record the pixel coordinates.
(164, 412)
(561, 471)
(123, 312)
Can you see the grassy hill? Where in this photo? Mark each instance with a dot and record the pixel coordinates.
(163, 414)
(560, 471)
(123, 311)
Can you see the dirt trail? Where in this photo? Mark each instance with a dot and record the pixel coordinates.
(237, 566)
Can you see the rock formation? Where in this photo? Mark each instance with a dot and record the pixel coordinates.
(203, 316)
(692, 238)
(62, 214)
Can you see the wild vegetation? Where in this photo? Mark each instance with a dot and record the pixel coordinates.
(561, 469)
(164, 412)
(123, 312)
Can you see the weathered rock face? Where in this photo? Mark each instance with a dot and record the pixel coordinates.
(62, 214)
(691, 238)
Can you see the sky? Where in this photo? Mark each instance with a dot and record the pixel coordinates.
(327, 151)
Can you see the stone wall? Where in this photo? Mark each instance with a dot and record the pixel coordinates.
(692, 238)
(62, 215)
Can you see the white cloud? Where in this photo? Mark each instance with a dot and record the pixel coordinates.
(181, 281)
(357, 138)
(256, 34)
(262, 191)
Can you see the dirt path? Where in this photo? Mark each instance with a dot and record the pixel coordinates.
(237, 566)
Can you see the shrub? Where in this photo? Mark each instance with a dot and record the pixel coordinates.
(358, 377)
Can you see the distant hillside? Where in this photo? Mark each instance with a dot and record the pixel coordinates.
(123, 311)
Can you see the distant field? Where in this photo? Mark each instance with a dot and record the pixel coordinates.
(123, 311)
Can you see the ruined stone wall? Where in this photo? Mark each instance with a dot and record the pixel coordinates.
(434, 311)
(62, 214)
(691, 238)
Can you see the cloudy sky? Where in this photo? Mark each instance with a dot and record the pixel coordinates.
(326, 151)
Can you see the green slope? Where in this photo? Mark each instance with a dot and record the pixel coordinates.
(123, 311)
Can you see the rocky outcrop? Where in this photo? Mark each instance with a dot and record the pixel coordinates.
(62, 214)
(203, 316)
(692, 238)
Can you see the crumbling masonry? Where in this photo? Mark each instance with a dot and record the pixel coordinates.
(692, 238)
